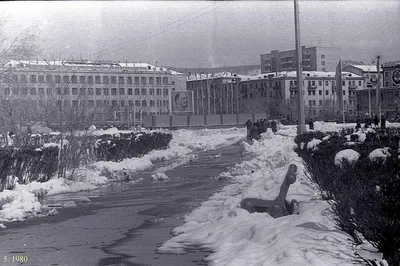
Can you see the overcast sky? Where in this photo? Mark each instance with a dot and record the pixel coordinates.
(206, 34)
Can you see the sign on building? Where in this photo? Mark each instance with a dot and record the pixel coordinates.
(182, 101)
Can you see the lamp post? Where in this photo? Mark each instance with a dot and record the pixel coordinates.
(301, 127)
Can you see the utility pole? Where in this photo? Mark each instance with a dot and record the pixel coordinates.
(378, 87)
(301, 127)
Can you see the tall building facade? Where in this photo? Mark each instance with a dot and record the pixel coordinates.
(313, 59)
(100, 91)
(276, 94)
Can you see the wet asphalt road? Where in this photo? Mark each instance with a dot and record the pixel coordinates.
(122, 224)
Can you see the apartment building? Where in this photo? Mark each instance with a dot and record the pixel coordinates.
(313, 59)
(276, 94)
(389, 93)
(369, 72)
(106, 90)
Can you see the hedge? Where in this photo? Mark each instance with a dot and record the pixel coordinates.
(364, 195)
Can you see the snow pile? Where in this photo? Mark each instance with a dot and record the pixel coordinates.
(348, 154)
(240, 238)
(380, 153)
(313, 143)
(159, 176)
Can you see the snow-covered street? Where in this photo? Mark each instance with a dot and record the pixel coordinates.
(190, 179)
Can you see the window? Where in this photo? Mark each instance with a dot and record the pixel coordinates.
(130, 103)
(121, 80)
(386, 83)
(130, 91)
(165, 80)
(152, 103)
(105, 80)
(323, 63)
(90, 91)
(151, 80)
(313, 92)
(313, 82)
(386, 73)
(359, 83)
(105, 91)
(114, 91)
(165, 92)
(319, 82)
(158, 80)
(344, 92)
(49, 91)
(129, 80)
(343, 83)
(82, 79)
(82, 91)
(309, 92)
(143, 80)
(22, 78)
(310, 103)
(121, 91)
(326, 83)
(314, 102)
(122, 103)
(137, 92)
(74, 79)
(41, 91)
(173, 82)
(144, 92)
(320, 92)
(33, 78)
(326, 92)
(49, 78)
(344, 102)
(58, 91)
(41, 79)
(113, 80)
(322, 56)
(114, 103)
(137, 103)
(136, 80)
(66, 79)
(144, 103)
(98, 91)
(151, 92)
(74, 91)
(106, 102)
(320, 102)
(66, 91)
(158, 91)
(97, 79)
(309, 83)
(90, 79)
(58, 79)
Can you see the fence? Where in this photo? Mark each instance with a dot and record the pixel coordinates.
(200, 120)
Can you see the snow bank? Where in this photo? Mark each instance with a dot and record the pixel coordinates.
(240, 238)
(348, 154)
(313, 143)
(380, 153)
(159, 176)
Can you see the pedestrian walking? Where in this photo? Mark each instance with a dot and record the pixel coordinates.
(311, 124)
(358, 124)
(274, 126)
(255, 131)
(376, 121)
(248, 126)
(383, 122)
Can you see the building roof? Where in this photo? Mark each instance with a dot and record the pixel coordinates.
(306, 74)
(87, 64)
(391, 64)
(366, 68)
(203, 76)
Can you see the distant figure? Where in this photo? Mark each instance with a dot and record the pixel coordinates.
(358, 124)
(311, 124)
(255, 131)
(383, 122)
(376, 121)
(367, 121)
(248, 126)
(274, 126)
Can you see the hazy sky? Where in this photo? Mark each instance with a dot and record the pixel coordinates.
(205, 34)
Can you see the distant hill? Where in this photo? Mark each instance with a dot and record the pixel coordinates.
(243, 70)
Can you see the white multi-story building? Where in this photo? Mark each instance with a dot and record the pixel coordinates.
(276, 94)
(368, 72)
(106, 90)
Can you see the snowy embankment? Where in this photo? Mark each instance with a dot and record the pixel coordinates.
(22, 202)
(238, 237)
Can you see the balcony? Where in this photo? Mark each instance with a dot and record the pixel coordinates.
(293, 87)
(312, 87)
(353, 87)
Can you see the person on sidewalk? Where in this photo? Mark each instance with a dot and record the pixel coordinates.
(274, 126)
(358, 124)
(383, 122)
(255, 131)
(376, 121)
(311, 124)
(248, 124)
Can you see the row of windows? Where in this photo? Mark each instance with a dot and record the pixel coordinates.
(294, 82)
(314, 102)
(83, 91)
(102, 103)
(89, 79)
